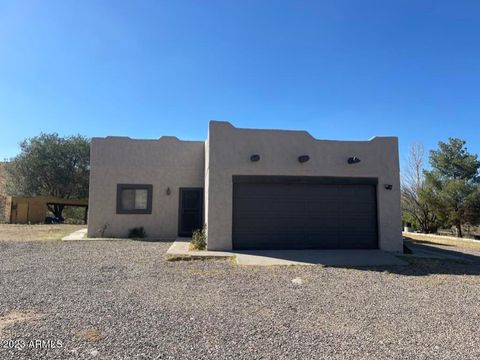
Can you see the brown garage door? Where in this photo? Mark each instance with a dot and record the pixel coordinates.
(304, 213)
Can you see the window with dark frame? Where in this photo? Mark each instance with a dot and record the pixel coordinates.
(134, 198)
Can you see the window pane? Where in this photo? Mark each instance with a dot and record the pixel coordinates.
(134, 199)
(141, 198)
(128, 199)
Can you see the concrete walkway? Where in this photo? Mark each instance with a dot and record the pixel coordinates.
(290, 257)
(82, 235)
(76, 235)
(318, 257)
(180, 249)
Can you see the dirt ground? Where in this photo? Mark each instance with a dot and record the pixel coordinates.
(14, 232)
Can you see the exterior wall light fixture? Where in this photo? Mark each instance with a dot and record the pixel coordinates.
(254, 157)
(168, 191)
(388, 186)
(303, 158)
(353, 160)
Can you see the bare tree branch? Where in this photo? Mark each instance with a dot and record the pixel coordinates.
(414, 209)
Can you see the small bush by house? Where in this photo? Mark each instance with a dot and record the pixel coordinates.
(199, 239)
(137, 233)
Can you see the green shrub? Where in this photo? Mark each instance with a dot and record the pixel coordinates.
(199, 239)
(137, 233)
(74, 215)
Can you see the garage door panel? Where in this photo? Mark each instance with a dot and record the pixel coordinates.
(304, 214)
(272, 226)
(265, 212)
(321, 214)
(269, 191)
(278, 241)
(267, 206)
(330, 242)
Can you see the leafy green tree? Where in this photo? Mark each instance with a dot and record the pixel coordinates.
(452, 186)
(51, 165)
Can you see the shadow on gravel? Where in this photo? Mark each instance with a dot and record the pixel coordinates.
(426, 266)
(426, 242)
(432, 261)
(425, 260)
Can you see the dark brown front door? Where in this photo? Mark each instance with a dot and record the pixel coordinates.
(190, 215)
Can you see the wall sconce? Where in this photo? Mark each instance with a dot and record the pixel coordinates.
(254, 157)
(303, 158)
(388, 186)
(168, 191)
(353, 160)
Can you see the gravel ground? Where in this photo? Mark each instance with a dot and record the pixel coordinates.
(122, 300)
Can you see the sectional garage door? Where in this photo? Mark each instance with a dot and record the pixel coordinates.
(304, 213)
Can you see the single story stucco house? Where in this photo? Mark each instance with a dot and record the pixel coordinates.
(253, 189)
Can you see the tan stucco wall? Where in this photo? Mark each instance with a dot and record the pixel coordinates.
(229, 154)
(169, 162)
(164, 163)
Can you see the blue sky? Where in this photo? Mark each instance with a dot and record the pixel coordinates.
(339, 69)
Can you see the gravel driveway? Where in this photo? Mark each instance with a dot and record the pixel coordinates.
(122, 300)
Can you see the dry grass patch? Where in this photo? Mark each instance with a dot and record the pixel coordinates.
(465, 244)
(17, 232)
(14, 317)
(91, 335)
